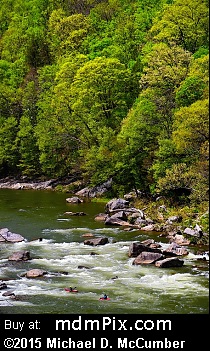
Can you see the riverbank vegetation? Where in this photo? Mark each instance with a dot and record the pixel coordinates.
(107, 89)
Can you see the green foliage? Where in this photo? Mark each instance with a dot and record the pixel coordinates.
(136, 144)
(202, 51)
(5, 14)
(99, 161)
(190, 91)
(196, 85)
(26, 143)
(165, 68)
(184, 22)
(24, 38)
(66, 33)
(101, 94)
(178, 177)
(165, 157)
(191, 127)
(106, 88)
(8, 151)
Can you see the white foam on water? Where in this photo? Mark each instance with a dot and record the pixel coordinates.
(173, 283)
(204, 257)
(64, 219)
(134, 286)
(68, 230)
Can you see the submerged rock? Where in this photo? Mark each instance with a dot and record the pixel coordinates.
(74, 200)
(96, 241)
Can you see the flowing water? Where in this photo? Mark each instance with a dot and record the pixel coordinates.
(105, 269)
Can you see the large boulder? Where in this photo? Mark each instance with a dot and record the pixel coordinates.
(116, 204)
(20, 256)
(8, 237)
(95, 191)
(179, 239)
(169, 262)
(147, 258)
(175, 250)
(116, 221)
(197, 231)
(137, 248)
(34, 273)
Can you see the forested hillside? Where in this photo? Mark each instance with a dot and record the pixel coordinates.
(102, 89)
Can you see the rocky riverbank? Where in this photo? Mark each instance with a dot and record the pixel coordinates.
(24, 183)
(119, 211)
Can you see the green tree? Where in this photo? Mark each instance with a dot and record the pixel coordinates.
(184, 22)
(137, 140)
(191, 141)
(165, 68)
(101, 95)
(66, 33)
(6, 11)
(192, 90)
(164, 157)
(9, 155)
(191, 128)
(26, 143)
(195, 86)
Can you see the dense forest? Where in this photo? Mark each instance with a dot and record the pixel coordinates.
(94, 90)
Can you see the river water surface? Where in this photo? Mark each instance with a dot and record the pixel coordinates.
(106, 269)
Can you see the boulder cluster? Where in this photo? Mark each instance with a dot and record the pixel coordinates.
(119, 212)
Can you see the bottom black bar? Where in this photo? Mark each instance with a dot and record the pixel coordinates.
(63, 332)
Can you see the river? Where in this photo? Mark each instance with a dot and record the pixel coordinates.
(106, 269)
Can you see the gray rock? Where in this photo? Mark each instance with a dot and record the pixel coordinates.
(116, 204)
(20, 256)
(96, 241)
(74, 200)
(101, 217)
(137, 248)
(7, 236)
(34, 273)
(147, 258)
(169, 262)
(175, 250)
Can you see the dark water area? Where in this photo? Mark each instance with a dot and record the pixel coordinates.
(106, 268)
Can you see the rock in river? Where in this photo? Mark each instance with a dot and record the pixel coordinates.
(7, 237)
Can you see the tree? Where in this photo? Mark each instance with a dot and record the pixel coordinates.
(26, 143)
(184, 22)
(100, 99)
(195, 86)
(185, 142)
(191, 141)
(9, 155)
(137, 140)
(25, 36)
(191, 128)
(66, 33)
(101, 95)
(165, 68)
